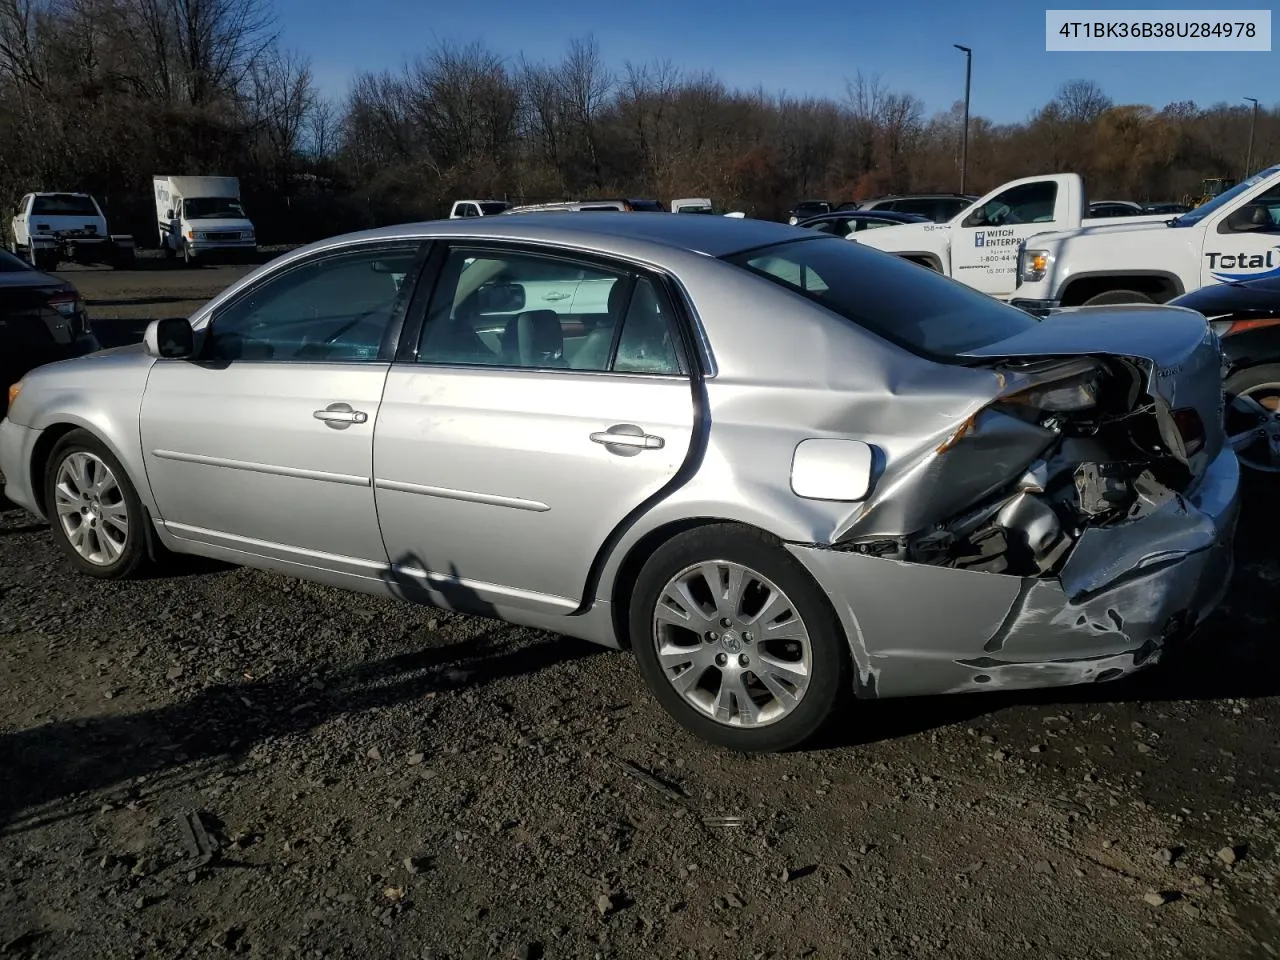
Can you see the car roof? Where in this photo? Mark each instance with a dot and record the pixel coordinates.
(866, 215)
(620, 234)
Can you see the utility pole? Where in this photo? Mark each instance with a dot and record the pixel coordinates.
(964, 138)
(1253, 123)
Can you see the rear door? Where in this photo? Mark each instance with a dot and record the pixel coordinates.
(500, 473)
(984, 245)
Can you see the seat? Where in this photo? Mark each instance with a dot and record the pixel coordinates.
(534, 338)
(594, 352)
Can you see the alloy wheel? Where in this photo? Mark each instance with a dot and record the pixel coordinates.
(91, 508)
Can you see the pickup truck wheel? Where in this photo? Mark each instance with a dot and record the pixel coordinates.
(188, 257)
(1111, 297)
(1253, 417)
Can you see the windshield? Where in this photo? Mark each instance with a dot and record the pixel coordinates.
(489, 209)
(1223, 199)
(65, 205)
(910, 305)
(212, 208)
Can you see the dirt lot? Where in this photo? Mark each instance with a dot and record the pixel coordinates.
(219, 761)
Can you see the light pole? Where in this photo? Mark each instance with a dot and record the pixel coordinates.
(964, 137)
(1253, 123)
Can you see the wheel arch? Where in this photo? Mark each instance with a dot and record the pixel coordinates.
(50, 434)
(1161, 285)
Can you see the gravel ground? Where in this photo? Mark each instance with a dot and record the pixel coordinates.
(221, 761)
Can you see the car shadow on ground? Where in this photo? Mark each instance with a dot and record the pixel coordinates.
(50, 763)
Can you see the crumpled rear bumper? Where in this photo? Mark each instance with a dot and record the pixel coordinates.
(1124, 593)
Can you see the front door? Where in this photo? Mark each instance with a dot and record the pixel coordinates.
(265, 444)
(502, 463)
(984, 245)
(1244, 244)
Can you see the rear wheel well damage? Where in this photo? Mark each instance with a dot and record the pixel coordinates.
(1159, 288)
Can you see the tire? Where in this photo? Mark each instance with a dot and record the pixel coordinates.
(776, 724)
(126, 552)
(1112, 297)
(187, 256)
(1262, 384)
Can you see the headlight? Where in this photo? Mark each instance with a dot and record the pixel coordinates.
(246, 235)
(1075, 393)
(14, 390)
(1033, 265)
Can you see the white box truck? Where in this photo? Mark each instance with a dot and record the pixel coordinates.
(202, 218)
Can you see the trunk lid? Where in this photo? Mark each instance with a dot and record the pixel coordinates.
(1176, 348)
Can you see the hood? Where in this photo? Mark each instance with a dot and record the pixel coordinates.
(895, 235)
(30, 278)
(1109, 225)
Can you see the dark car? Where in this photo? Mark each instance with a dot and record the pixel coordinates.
(938, 207)
(806, 209)
(844, 222)
(1246, 316)
(1171, 208)
(42, 319)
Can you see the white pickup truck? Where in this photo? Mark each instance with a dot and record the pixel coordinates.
(979, 246)
(1234, 236)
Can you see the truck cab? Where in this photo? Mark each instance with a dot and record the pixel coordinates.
(1234, 236)
(979, 246)
(463, 209)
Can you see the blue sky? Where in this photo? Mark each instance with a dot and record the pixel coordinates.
(807, 47)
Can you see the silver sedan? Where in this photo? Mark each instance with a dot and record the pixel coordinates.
(783, 469)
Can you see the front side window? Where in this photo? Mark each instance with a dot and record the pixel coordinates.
(337, 308)
(900, 301)
(506, 308)
(1025, 203)
(1259, 215)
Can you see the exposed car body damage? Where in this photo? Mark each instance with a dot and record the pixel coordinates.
(1085, 497)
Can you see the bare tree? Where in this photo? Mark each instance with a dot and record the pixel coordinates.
(283, 96)
(585, 85)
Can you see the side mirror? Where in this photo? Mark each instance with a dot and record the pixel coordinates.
(1253, 216)
(168, 214)
(170, 339)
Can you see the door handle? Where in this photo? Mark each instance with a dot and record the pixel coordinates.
(627, 439)
(556, 296)
(340, 415)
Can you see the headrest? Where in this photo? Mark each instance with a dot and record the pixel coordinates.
(616, 294)
(534, 339)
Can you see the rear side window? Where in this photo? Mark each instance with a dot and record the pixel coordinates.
(900, 301)
(64, 205)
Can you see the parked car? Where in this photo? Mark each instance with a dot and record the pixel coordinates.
(1101, 209)
(1246, 316)
(848, 222)
(631, 205)
(1166, 208)
(463, 209)
(780, 467)
(938, 207)
(42, 319)
(806, 209)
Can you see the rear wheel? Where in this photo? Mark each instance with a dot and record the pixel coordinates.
(1111, 297)
(96, 515)
(737, 641)
(1253, 416)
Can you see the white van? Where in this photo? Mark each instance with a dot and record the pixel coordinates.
(203, 218)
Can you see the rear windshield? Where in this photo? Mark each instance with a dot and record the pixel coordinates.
(646, 206)
(64, 205)
(811, 209)
(489, 209)
(903, 302)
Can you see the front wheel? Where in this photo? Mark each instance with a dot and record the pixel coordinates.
(737, 641)
(96, 515)
(1253, 416)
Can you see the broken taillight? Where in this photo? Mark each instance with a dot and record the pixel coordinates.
(1190, 428)
(1244, 326)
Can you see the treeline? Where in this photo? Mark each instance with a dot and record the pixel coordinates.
(98, 95)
